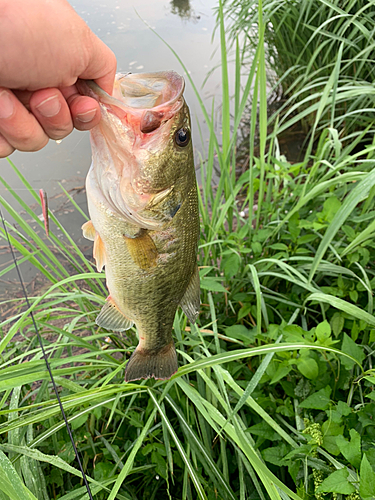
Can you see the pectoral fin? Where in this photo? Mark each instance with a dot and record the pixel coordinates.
(143, 250)
(99, 253)
(190, 302)
(111, 318)
(88, 230)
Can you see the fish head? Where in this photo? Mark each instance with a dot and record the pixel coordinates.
(142, 145)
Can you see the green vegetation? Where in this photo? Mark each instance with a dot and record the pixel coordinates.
(274, 397)
(310, 42)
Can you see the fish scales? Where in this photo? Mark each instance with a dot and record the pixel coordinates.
(143, 203)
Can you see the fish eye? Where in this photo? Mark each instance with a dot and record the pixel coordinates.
(182, 137)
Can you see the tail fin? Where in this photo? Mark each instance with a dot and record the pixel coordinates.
(146, 363)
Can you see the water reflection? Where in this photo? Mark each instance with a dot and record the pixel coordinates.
(183, 9)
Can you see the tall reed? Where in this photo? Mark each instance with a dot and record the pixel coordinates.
(309, 41)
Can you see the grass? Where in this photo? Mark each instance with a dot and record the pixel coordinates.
(274, 395)
(309, 43)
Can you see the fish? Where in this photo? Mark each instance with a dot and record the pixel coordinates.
(143, 204)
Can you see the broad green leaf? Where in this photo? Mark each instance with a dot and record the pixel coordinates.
(275, 454)
(323, 331)
(336, 414)
(367, 480)
(244, 311)
(212, 285)
(330, 207)
(281, 372)
(231, 265)
(308, 367)
(320, 400)
(337, 323)
(330, 431)
(353, 349)
(279, 246)
(240, 332)
(337, 482)
(264, 430)
(371, 395)
(103, 471)
(78, 422)
(351, 449)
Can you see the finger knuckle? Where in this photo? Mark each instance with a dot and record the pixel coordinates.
(60, 132)
(33, 143)
(40, 144)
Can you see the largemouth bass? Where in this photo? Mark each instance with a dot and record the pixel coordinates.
(143, 204)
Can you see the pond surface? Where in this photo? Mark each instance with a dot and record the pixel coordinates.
(187, 26)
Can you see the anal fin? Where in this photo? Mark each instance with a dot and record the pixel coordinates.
(191, 301)
(88, 230)
(111, 318)
(143, 250)
(146, 363)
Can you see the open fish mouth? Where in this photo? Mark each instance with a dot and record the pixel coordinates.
(143, 100)
(149, 90)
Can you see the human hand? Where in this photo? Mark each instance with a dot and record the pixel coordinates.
(45, 48)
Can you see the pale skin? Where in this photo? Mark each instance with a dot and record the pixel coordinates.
(45, 48)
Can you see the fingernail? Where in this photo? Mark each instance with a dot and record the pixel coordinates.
(87, 117)
(6, 105)
(49, 107)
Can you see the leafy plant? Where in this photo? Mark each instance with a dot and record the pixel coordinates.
(274, 394)
(321, 53)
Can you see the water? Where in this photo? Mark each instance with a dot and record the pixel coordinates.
(187, 26)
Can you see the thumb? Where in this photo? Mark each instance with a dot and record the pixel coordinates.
(101, 65)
